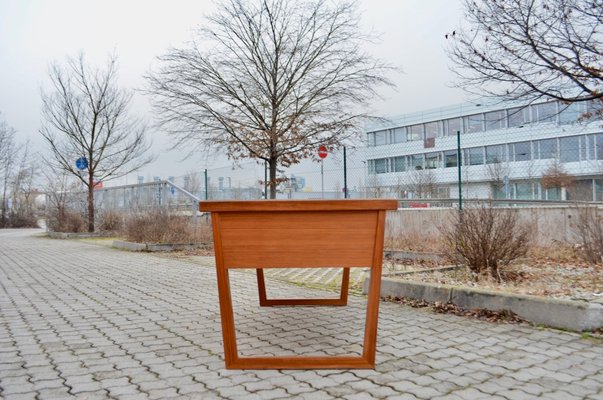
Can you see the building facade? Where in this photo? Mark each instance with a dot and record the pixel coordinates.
(540, 151)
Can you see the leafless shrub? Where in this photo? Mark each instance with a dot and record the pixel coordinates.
(161, 226)
(64, 220)
(110, 221)
(590, 231)
(486, 238)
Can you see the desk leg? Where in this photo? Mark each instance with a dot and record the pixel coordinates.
(341, 301)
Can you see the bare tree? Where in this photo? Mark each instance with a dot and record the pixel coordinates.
(8, 155)
(23, 189)
(272, 80)
(530, 49)
(86, 116)
(422, 183)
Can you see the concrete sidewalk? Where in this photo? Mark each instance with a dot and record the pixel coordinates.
(85, 321)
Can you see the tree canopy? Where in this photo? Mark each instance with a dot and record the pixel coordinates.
(270, 80)
(531, 49)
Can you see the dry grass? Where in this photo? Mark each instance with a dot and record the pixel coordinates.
(556, 271)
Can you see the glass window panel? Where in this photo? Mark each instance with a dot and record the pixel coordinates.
(599, 146)
(569, 149)
(432, 160)
(547, 148)
(400, 135)
(496, 154)
(474, 156)
(371, 166)
(453, 126)
(474, 123)
(432, 130)
(371, 138)
(381, 166)
(518, 116)
(400, 164)
(523, 191)
(416, 161)
(522, 151)
(553, 193)
(546, 112)
(598, 189)
(450, 159)
(415, 132)
(569, 113)
(581, 190)
(380, 138)
(495, 120)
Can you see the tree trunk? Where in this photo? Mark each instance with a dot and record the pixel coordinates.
(272, 177)
(91, 203)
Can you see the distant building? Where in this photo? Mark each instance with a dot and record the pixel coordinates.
(539, 151)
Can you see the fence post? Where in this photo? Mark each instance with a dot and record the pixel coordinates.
(458, 163)
(345, 174)
(206, 187)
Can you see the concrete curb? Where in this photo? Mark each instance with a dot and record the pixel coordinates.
(153, 247)
(412, 255)
(72, 235)
(556, 313)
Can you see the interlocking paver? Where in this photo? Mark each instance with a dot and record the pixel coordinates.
(92, 322)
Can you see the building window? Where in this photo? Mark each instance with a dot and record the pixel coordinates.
(380, 138)
(416, 161)
(545, 112)
(598, 189)
(415, 132)
(452, 126)
(432, 160)
(570, 113)
(495, 120)
(518, 116)
(474, 156)
(522, 151)
(399, 135)
(400, 164)
(370, 138)
(450, 159)
(432, 130)
(496, 154)
(474, 123)
(598, 146)
(381, 166)
(569, 149)
(547, 149)
(524, 191)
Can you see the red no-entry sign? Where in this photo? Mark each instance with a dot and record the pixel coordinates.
(322, 152)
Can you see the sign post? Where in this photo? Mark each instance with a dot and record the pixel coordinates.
(322, 153)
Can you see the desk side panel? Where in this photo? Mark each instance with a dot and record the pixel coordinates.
(298, 239)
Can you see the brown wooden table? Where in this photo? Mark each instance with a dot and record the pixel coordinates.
(298, 234)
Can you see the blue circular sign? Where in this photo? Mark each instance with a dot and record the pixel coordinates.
(81, 163)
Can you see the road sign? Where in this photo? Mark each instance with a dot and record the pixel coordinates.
(322, 152)
(81, 163)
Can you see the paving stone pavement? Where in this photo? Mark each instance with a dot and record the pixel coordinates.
(89, 322)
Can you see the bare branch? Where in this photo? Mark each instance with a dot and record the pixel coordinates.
(268, 79)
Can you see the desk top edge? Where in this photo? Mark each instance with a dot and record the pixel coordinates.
(297, 205)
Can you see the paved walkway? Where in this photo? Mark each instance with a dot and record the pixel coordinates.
(86, 321)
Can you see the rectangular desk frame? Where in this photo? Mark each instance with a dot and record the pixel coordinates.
(312, 208)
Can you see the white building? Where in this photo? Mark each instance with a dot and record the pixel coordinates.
(505, 150)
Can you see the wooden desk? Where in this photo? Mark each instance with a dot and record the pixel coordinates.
(298, 234)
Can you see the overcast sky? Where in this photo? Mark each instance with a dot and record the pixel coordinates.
(34, 33)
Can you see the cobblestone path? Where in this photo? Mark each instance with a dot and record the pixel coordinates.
(85, 321)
